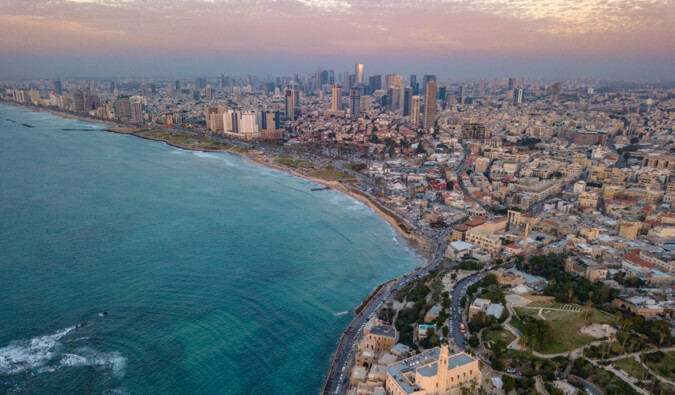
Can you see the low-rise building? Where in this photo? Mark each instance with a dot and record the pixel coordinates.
(433, 372)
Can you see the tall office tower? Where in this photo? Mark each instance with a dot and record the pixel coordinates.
(556, 89)
(389, 99)
(413, 79)
(208, 92)
(512, 84)
(415, 88)
(170, 90)
(292, 101)
(57, 87)
(442, 95)
(331, 77)
(481, 87)
(78, 100)
(123, 108)
(427, 78)
(345, 82)
(431, 91)
(200, 83)
(518, 97)
(388, 81)
(352, 80)
(355, 102)
(112, 85)
(415, 110)
(407, 100)
(358, 71)
(137, 112)
(374, 83)
(324, 77)
(177, 85)
(336, 98)
(462, 94)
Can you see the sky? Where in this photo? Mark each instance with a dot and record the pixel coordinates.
(454, 39)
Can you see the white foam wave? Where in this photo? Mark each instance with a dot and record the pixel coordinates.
(340, 313)
(41, 355)
(23, 355)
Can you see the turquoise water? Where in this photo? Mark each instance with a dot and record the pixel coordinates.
(219, 275)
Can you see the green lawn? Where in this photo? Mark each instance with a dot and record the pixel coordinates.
(295, 163)
(564, 324)
(330, 174)
(492, 336)
(631, 366)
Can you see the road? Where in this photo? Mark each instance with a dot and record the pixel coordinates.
(338, 374)
(456, 317)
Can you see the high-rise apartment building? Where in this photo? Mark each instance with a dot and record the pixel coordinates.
(431, 91)
(208, 92)
(512, 84)
(122, 108)
(415, 110)
(355, 102)
(336, 98)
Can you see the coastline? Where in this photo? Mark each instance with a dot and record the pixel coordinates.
(418, 243)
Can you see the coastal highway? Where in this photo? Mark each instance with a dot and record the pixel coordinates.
(338, 373)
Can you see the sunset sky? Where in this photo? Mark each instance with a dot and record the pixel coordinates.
(458, 39)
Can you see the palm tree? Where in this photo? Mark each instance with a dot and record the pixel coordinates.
(570, 293)
(588, 307)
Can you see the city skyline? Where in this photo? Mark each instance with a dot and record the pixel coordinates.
(618, 39)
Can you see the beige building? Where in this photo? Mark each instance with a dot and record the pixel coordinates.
(490, 243)
(586, 267)
(433, 372)
(589, 199)
(629, 230)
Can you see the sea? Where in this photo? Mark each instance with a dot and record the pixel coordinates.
(131, 267)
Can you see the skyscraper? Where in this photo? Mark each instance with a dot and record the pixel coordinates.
(462, 94)
(374, 83)
(208, 92)
(57, 87)
(427, 78)
(358, 71)
(345, 81)
(355, 101)
(415, 110)
(512, 84)
(407, 101)
(431, 91)
(518, 97)
(336, 98)
(292, 101)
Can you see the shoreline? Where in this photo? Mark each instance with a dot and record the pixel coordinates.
(418, 244)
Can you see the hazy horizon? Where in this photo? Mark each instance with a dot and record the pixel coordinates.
(454, 39)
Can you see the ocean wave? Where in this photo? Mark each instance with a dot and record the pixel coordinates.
(340, 313)
(211, 155)
(42, 355)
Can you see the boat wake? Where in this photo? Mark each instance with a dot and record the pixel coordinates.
(43, 354)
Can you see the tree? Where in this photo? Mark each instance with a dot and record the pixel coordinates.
(473, 341)
(509, 383)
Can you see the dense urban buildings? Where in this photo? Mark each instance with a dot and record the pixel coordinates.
(493, 174)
